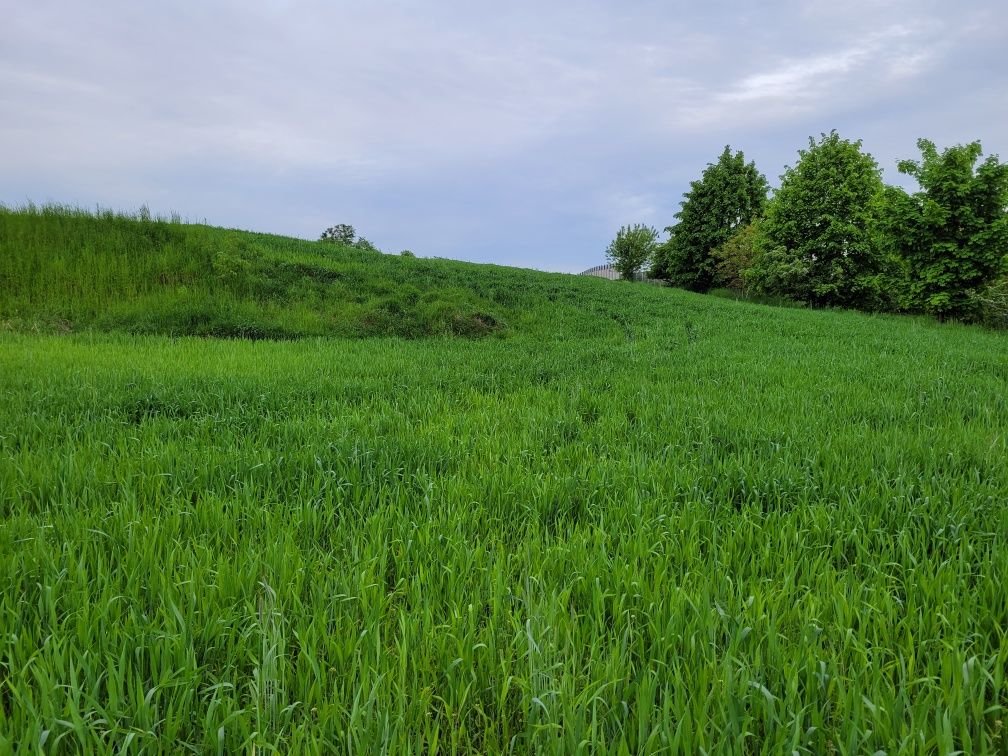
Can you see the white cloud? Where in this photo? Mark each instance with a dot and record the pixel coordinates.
(794, 79)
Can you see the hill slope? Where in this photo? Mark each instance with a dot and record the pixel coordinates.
(65, 269)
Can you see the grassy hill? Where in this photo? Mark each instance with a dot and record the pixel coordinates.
(630, 519)
(66, 269)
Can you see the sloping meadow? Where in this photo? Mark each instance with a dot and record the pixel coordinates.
(71, 270)
(644, 521)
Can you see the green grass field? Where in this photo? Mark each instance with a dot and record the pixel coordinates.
(547, 514)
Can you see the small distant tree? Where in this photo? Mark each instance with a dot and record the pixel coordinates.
(728, 196)
(817, 242)
(632, 249)
(407, 253)
(365, 245)
(953, 233)
(342, 233)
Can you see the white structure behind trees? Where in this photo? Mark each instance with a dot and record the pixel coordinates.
(608, 271)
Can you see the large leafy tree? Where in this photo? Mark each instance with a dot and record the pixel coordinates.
(953, 232)
(817, 242)
(728, 196)
(632, 249)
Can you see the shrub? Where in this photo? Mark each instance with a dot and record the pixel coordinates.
(990, 303)
(734, 257)
(366, 246)
(779, 273)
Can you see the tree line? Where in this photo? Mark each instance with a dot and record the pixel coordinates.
(834, 235)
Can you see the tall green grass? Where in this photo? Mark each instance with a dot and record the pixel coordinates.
(646, 521)
(68, 269)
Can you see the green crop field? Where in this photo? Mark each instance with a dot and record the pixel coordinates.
(424, 506)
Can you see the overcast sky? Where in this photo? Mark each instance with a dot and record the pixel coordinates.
(522, 133)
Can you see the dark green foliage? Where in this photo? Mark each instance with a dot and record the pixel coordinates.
(345, 235)
(729, 195)
(342, 233)
(776, 271)
(953, 232)
(632, 249)
(661, 260)
(817, 242)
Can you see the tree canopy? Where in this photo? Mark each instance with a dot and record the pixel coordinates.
(817, 241)
(834, 235)
(728, 196)
(953, 232)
